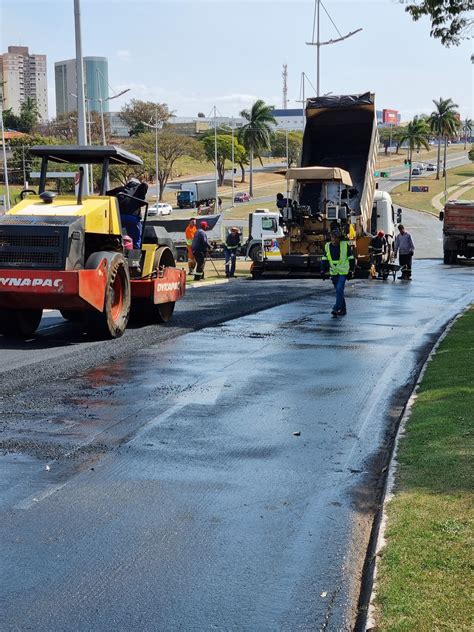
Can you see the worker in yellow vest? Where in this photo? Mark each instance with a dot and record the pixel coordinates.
(189, 232)
(338, 260)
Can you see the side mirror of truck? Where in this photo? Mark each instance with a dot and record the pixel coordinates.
(399, 215)
(441, 216)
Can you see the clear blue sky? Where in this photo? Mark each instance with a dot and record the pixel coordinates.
(193, 55)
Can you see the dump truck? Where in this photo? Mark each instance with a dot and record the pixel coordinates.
(70, 253)
(333, 188)
(193, 194)
(458, 230)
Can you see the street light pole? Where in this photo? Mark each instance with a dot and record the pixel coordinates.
(101, 103)
(287, 152)
(157, 126)
(318, 43)
(81, 115)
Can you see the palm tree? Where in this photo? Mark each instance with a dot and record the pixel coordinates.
(256, 133)
(416, 134)
(29, 115)
(443, 123)
(467, 129)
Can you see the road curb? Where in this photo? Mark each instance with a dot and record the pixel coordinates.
(366, 607)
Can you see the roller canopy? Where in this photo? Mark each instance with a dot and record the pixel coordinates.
(85, 154)
(318, 174)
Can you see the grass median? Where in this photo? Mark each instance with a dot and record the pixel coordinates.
(422, 201)
(425, 574)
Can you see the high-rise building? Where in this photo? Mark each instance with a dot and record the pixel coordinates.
(96, 84)
(24, 75)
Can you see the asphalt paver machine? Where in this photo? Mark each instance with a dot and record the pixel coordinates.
(70, 253)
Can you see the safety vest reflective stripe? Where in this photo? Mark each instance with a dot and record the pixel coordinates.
(189, 242)
(232, 247)
(342, 265)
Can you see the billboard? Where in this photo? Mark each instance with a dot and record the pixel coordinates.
(390, 116)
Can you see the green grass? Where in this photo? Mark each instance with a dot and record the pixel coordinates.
(426, 570)
(469, 195)
(422, 201)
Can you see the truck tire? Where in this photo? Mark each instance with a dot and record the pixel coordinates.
(256, 253)
(112, 321)
(19, 323)
(145, 310)
(450, 257)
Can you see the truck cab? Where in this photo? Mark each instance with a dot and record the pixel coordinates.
(264, 231)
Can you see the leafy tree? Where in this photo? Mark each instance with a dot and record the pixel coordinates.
(471, 154)
(10, 120)
(146, 171)
(224, 152)
(139, 128)
(137, 112)
(201, 115)
(443, 124)
(64, 126)
(29, 116)
(449, 20)
(467, 130)
(171, 146)
(416, 134)
(255, 135)
(278, 145)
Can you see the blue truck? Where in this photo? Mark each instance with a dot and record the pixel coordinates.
(193, 194)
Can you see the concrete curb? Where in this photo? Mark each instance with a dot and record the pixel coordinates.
(392, 470)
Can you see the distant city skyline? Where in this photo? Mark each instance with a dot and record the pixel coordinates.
(156, 49)
(23, 75)
(96, 84)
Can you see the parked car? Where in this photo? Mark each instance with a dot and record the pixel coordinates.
(416, 171)
(431, 167)
(160, 209)
(241, 197)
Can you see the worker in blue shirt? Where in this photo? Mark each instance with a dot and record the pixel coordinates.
(339, 261)
(200, 247)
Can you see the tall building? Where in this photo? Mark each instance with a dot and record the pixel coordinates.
(96, 84)
(24, 75)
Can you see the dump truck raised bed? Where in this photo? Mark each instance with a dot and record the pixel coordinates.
(334, 187)
(70, 253)
(458, 230)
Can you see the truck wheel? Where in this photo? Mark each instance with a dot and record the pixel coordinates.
(113, 320)
(450, 256)
(256, 253)
(147, 311)
(19, 323)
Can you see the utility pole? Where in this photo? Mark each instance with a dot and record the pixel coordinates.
(318, 43)
(101, 103)
(4, 151)
(81, 110)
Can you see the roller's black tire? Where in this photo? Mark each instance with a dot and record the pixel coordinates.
(19, 323)
(144, 310)
(112, 321)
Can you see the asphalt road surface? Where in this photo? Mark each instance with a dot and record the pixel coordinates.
(219, 473)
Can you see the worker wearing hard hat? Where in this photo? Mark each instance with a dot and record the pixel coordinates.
(377, 251)
(200, 248)
(189, 233)
(338, 260)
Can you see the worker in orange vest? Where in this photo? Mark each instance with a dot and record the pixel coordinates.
(190, 231)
